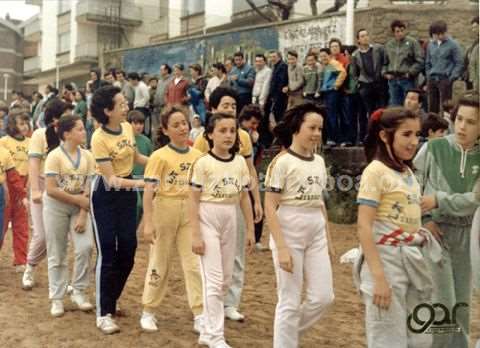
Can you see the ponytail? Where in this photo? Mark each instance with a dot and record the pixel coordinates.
(53, 111)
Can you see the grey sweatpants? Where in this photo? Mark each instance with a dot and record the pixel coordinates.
(59, 219)
(388, 328)
(452, 284)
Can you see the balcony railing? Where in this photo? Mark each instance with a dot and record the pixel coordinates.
(109, 12)
(32, 29)
(31, 65)
(86, 52)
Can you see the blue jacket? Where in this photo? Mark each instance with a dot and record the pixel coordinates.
(245, 80)
(444, 60)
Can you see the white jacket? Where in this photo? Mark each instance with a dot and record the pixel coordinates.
(261, 85)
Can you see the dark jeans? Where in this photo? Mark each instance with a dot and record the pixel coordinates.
(358, 117)
(347, 132)
(438, 92)
(397, 89)
(372, 95)
(331, 99)
(277, 106)
(243, 99)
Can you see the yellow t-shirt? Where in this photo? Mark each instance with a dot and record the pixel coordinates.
(6, 163)
(38, 147)
(71, 175)
(395, 195)
(116, 147)
(169, 168)
(300, 180)
(201, 143)
(220, 180)
(19, 151)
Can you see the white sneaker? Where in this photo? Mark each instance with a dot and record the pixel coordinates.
(148, 322)
(232, 314)
(221, 344)
(20, 268)
(28, 280)
(204, 339)
(199, 323)
(57, 308)
(107, 325)
(81, 301)
(260, 247)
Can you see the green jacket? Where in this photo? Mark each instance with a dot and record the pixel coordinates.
(403, 57)
(445, 170)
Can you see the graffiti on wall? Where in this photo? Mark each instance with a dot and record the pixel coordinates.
(305, 35)
(201, 51)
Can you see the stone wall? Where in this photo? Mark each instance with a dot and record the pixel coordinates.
(418, 19)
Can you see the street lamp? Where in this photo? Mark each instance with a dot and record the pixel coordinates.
(5, 88)
(57, 79)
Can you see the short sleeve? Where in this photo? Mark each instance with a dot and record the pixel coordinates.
(52, 164)
(130, 133)
(197, 174)
(154, 169)
(275, 178)
(9, 163)
(99, 149)
(90, 163)
(246, 143)
(201, 144)
(245, 175)
(370, 191)
(36, 146)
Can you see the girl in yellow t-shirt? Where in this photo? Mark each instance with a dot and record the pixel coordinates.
(68, 169)
(167, 222)
(16, 142)
(389, 229)
(113, 201)
(298, 223)
(219, 179)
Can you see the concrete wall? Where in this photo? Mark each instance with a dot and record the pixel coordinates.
(11, 60)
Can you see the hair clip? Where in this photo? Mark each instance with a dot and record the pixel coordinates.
(377, 114)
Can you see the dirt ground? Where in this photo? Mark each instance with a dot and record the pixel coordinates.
(25, 321)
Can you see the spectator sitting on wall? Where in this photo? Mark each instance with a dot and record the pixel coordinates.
(311, 74)
(197, 91)
(295, 80)
(336, 48)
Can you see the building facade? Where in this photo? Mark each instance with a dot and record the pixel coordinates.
(11, 58)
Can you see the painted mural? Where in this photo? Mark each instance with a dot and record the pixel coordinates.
(299, 36)
(202, 51)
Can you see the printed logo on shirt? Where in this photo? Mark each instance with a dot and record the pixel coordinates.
(219, 189)
(313, 180)
(119, 146)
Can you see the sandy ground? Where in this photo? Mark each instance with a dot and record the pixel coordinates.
(25, 321)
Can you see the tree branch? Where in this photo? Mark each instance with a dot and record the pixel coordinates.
(257, 10)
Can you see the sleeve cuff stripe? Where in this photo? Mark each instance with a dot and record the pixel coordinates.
(106, 159)
(369, 202)
(151, 180)
(274, 189)
(195, 185)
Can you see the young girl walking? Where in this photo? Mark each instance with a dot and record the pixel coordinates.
(297, 219)
(448, 171)
(219, 181)
(68, 169)
(113, 201)
(167, 222)
(16, 142)
(37, 152)
(392, 273)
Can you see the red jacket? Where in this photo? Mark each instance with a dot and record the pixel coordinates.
(176, 93)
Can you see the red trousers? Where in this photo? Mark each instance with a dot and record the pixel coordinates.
(16, 213)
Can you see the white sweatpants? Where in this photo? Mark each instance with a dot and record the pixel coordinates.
(218, 226)
(305, 236)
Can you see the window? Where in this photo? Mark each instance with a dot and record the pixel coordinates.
(64, 6)
(191, 7)
(63, 42)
